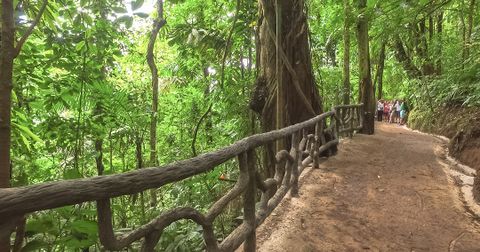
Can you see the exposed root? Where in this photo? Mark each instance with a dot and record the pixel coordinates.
(454, 241)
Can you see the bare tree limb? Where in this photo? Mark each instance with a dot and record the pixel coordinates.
(19, 234)
(194, 150)
(228, 45)
(29, 31)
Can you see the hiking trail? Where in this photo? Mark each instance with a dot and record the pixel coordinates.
(393, 191)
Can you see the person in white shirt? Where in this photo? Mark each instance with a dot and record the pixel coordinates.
(398, 108)
(380, 110)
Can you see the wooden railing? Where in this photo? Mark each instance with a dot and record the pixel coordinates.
(351, 118)
(309, 141)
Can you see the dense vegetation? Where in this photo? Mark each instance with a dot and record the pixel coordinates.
(81, 103)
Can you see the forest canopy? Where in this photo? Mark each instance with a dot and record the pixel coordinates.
(91, 87)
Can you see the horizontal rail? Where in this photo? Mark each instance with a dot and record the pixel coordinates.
(349, 106)
(350, 117)
(305, 149)
(20, 200)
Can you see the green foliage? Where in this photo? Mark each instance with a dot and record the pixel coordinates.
(82, 78)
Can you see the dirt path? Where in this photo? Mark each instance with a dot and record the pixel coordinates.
(387, 192)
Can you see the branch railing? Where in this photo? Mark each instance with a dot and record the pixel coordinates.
(309, 140)
(351, 118)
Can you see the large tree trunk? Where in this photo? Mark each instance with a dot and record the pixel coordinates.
(7, 54)
(6, 84)
(299, 99)
(346, 53)
(367, 96)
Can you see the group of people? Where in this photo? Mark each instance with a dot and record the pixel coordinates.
(392, 111)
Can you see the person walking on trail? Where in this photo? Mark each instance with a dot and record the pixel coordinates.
(397, 110)
(380, 106)
(393, 111)
(403, 113)
(386, 111)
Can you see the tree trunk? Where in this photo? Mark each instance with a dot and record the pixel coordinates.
(346, 52)
(431, 28)
(468, 35)
(157, 25)
(7, 55)
(331, 50)
(367, 96)
(301, 100)
(6, 84)
(463, 29)
(428, 67)
(412, 71)
(379, 74)
(440, 43)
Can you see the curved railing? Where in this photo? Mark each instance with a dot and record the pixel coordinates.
(309, 141)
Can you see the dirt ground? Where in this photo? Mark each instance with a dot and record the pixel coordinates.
(387, 192)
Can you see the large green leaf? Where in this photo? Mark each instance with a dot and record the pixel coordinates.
(137, 4)
(86, 227)
(35, 245)
(25, 130)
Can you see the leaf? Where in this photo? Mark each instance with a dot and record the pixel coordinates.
(25, 142)
(75, 244)
(14, 97)
(28, 132)
(85, 227)
(42, 225)
(35, 245)
(141, 14)
(119, 9)
(80, 46)
(137, 4)
(72, 174)
(127, 20)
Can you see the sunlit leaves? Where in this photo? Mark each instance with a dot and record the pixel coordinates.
(136, 4)
(127, 20)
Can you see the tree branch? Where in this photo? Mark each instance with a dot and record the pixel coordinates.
(30, 29)
(194, 151)
(227, 46)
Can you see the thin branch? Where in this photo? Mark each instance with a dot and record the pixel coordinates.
(30, 29)
(227, 46)
(194, 151)
(20, 234)
(158, 23)
(154, 227)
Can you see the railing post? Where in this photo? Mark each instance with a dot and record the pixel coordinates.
(352, 117)
(362, 115)
(323, 140)
(249, 204)
(316, 139)
(297, 162)
(335, 127)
